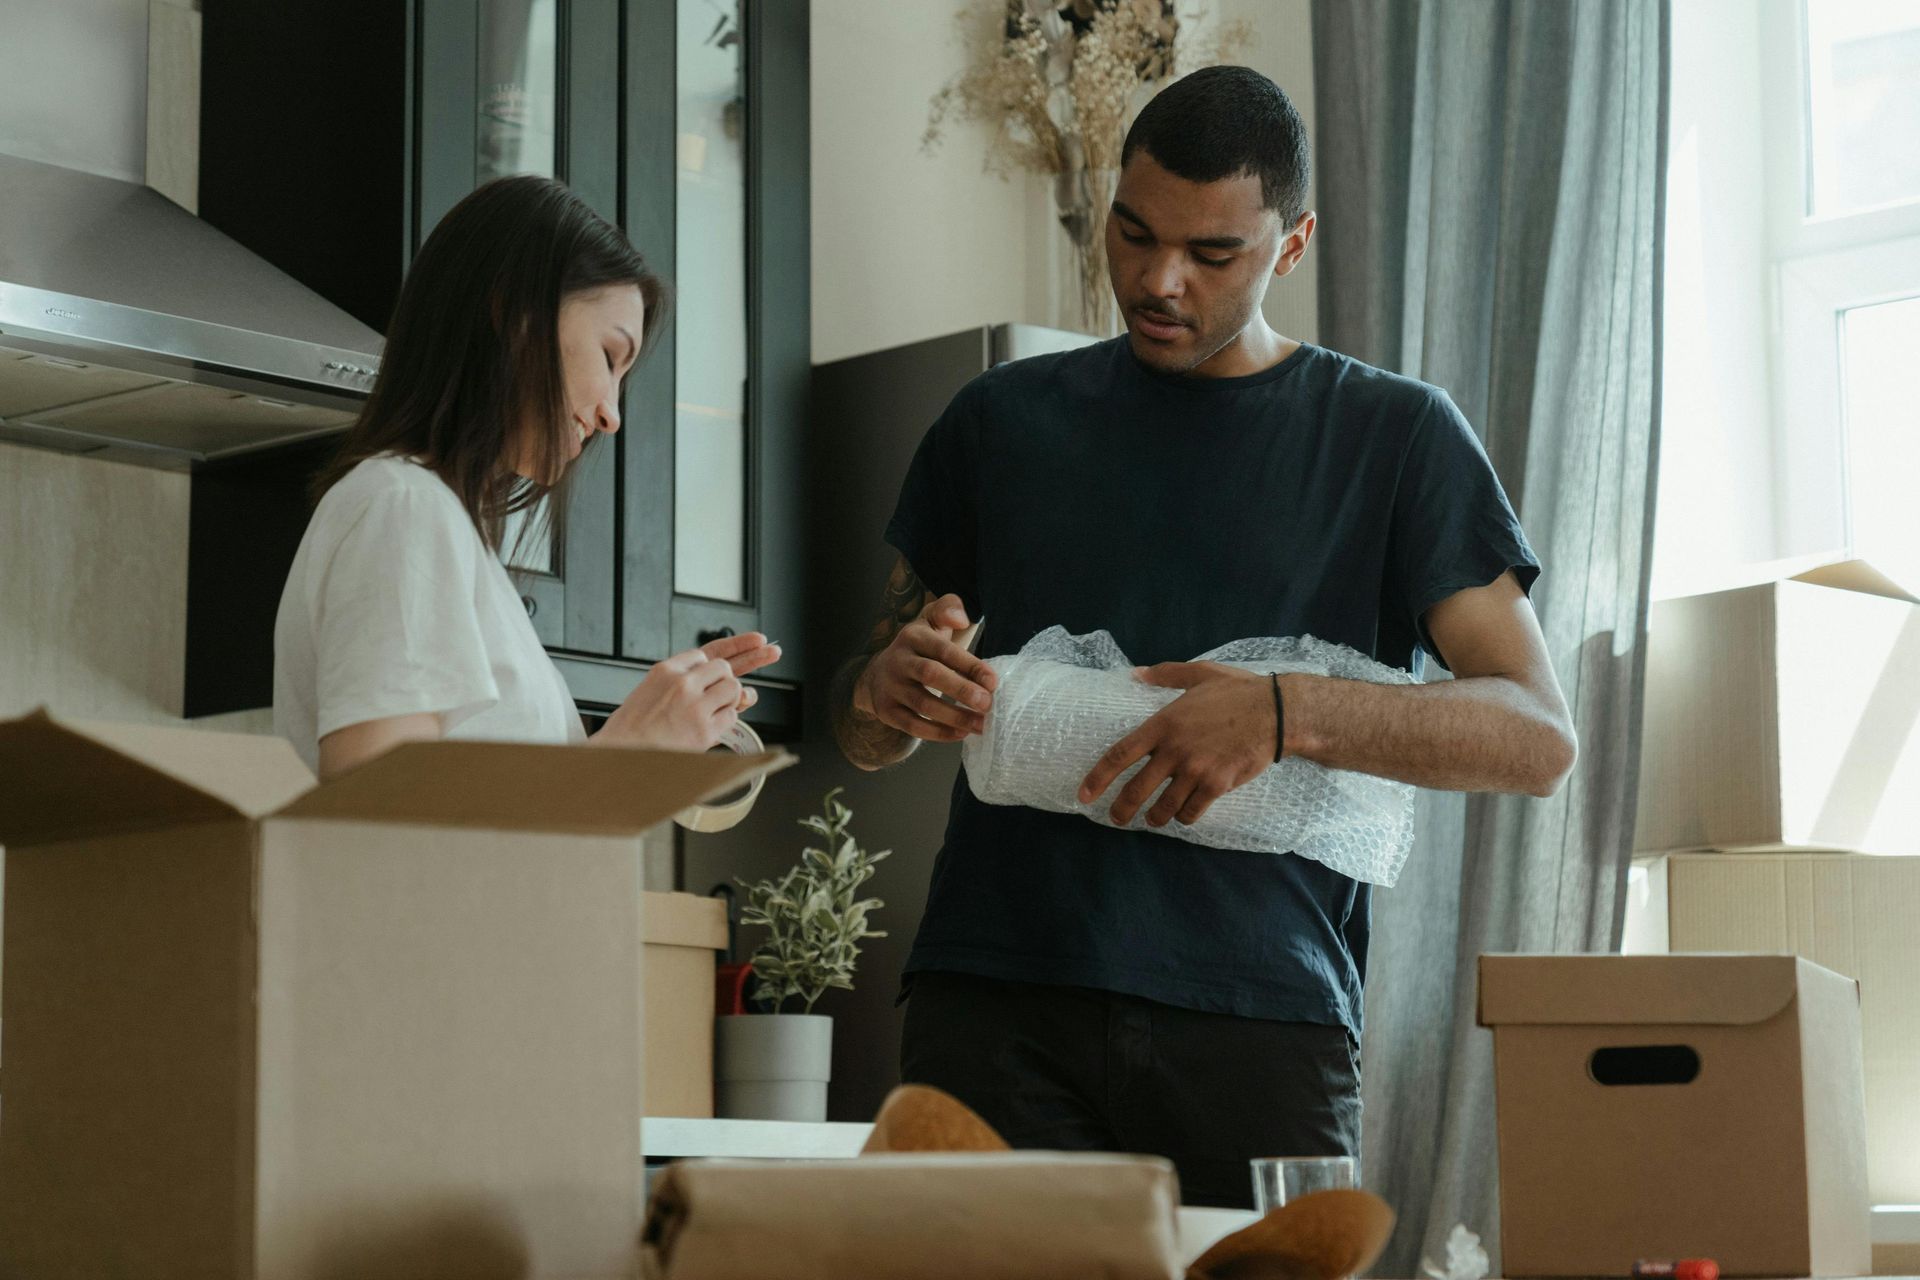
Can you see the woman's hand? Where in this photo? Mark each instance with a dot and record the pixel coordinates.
(689, 701)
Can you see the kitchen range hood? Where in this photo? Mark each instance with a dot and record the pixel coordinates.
(130, 329)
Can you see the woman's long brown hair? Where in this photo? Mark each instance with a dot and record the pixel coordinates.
(471, 374)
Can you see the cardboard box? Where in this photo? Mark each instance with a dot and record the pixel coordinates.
(682, 932)
(390, 1024)
(920, 1215)
(1677, 1107)
(1780, 716)
(1854, 914)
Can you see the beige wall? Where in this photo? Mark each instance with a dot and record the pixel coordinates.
(93, 580)
(93, 590)
(909, 244)
(1282, 48)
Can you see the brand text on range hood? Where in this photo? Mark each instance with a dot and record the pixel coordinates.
(131, 329)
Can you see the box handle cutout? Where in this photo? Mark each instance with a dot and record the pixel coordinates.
(1644, 1064)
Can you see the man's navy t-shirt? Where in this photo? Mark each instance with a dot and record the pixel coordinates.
(1319, 497)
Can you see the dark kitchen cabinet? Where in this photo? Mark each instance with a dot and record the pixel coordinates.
(335, 133)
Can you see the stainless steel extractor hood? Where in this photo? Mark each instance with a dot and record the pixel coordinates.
(131, 329)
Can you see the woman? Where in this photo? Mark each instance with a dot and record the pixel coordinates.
(518, 321)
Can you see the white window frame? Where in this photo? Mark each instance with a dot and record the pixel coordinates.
(1820, 268)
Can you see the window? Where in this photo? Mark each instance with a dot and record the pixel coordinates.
(1863, 99)
(1791, 396)
(1880, 389)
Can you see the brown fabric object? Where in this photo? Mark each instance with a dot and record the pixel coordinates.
(969, 1216)
(918, 1117)
(1318, 1237)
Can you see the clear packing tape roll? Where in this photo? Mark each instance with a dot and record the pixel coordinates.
(725, 814)
(1064, 699)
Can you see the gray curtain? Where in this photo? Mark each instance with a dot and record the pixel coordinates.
(1490, 181)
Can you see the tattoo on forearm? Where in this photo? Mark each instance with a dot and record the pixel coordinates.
(900, 604)
(864, 739)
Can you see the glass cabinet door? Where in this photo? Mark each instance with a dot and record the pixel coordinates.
(487, 98)
(516, 83)
(516, 95)
(716, 195)
(509, 87)
(517, 89)
(710, 357)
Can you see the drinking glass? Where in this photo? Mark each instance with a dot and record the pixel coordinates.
(1282, 1179)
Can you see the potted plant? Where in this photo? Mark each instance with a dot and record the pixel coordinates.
(775, 1065)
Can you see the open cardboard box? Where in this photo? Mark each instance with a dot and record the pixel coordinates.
(1781, 716)
(389, 1024)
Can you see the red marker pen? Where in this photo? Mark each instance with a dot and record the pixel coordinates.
(1685, 1269)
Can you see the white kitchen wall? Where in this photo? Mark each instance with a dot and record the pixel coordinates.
(909, 244)
(906, 244)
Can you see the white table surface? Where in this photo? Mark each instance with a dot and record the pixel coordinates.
(675, 1137)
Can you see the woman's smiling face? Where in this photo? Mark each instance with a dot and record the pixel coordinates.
(600, 333)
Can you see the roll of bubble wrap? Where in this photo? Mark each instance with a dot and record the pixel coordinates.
(1064, 699)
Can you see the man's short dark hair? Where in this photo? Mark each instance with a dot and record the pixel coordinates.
(1225, 122)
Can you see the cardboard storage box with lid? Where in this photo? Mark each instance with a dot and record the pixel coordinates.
(1780, 716)
(1676, 1107)
(258, 1027)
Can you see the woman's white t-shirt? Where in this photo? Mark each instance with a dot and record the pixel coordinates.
(394, 607)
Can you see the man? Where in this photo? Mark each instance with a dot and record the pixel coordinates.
(1198, 480)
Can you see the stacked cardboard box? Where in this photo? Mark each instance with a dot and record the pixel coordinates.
(1779, 787)
(1780, 716)
(682, 932)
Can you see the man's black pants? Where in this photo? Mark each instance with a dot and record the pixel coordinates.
(1075, 1069)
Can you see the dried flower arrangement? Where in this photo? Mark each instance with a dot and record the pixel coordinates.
(1055, 85)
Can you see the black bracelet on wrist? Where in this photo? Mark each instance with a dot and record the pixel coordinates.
(1279, 721)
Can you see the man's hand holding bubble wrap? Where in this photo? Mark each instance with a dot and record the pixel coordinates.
(1179, 738)
(1200, 742)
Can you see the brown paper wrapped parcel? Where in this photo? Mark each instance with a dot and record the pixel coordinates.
(932, 1216)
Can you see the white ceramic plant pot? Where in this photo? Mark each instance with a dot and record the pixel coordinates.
(772, 1066)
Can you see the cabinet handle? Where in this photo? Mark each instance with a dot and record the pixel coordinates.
(533, 606)
(709, 636)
